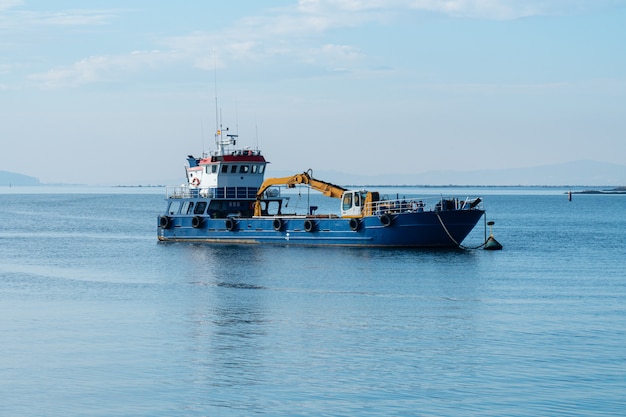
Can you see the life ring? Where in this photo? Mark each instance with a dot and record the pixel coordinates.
(386, 220)
(164, 222)
(195, 182)
(277, 224)
(309, 225)
(230, 224)
(354, 224)
(196, 221)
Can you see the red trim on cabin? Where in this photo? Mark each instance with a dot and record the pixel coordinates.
(232, 158)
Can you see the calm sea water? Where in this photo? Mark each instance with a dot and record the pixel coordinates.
(98, 319)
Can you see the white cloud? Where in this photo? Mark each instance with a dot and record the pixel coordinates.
(482, 9)
(336, 55)
(289, 32)
(298, 32)
(101, 68)
(5, 68)
(76, 17)
(12, 17)
(8, 4)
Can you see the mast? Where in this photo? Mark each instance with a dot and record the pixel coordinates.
(218, 130)
(220, 142)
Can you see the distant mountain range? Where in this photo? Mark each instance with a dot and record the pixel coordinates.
(578, 173)
(583, 173)
(586, 173)
(11, 178)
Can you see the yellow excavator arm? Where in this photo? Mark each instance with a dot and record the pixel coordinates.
(326, 188)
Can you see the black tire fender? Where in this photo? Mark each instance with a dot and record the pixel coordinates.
(230, 224)
(164, 222)
(309, 225)
(386, 220)
(197, 221)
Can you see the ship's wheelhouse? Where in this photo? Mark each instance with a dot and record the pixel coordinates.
(236, 175)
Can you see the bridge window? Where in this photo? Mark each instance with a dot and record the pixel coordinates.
(187, 207)
(213, 169)
(233, 170)
(200, 207)
(174, 206)
(224, 169)
(244, 169)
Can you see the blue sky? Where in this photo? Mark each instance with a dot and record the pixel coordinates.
(121, 91)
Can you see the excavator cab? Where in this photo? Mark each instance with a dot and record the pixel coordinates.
(352, 203)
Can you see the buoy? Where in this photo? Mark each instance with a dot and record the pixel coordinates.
(492, 243)
(569, 196)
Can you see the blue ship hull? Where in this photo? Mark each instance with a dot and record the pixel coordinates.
(407, 229)
(228, 200)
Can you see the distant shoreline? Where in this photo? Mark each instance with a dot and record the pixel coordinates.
(618, 190)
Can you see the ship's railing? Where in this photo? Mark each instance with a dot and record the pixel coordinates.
(418, 205)
(211, 192)
(179, 192)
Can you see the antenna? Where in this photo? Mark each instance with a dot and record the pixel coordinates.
(202, 137)
(237, 117)
(230, 138)
(217, 121)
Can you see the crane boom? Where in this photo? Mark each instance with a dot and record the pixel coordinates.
(326, 188)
